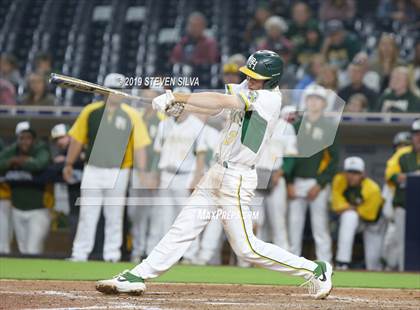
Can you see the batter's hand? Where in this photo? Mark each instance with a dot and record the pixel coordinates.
(162, 102)
(313, 192)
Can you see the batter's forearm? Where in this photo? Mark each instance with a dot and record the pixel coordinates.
(209, 100)
(205, 111)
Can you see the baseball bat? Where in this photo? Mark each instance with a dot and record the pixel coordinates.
(65, 81)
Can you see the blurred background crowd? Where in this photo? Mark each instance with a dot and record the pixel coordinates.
(367, 52)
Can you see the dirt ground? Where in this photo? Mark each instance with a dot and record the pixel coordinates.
(82, 295)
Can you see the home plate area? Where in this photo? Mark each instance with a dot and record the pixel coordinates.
(21, 294)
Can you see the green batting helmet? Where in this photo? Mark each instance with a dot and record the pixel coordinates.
(264, 65)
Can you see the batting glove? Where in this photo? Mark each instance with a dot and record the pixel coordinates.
(175, 108)
(162, 102)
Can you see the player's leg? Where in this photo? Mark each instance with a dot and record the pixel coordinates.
(373, 235)
(349, 221)
(114, 203)
(190, 256)
(210, 241)
(91, 200)
(238, 227)
(320, 225)
(5, 224)
(90, 211)
(38, 229)
(137, 214)
(277, 214)
(296, 224)
(400, 235)
(390, 246)
(20, 227)
(187, 226)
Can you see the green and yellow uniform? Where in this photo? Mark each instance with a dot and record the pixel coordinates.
(366, 197)
(29, 195)
(110, 136)
(405, 160)
(322, 165)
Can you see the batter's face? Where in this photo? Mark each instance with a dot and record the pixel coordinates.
(254, 84)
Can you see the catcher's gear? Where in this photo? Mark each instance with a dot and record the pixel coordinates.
(402, 138)
(264, 65)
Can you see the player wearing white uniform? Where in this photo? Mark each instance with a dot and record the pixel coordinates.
(229, 184)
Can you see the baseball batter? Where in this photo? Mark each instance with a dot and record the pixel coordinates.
(229, 184)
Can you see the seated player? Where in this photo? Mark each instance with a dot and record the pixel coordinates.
(254, 107)
(358, 200)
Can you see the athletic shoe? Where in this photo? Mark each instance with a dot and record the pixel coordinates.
(125, 282)
(320, 283)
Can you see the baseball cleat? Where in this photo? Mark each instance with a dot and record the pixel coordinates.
(320, 283)
(125, 282)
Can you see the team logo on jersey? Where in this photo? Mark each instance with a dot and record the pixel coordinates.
(252, 96)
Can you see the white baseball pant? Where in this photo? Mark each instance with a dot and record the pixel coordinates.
(172, 195)
(232, 191)
(350, 224)
(140, 217)
(275, 204)
(203, 249)
(6, 232)
(394, 241)
(318, 209)
(101, 187)
(31, 229)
